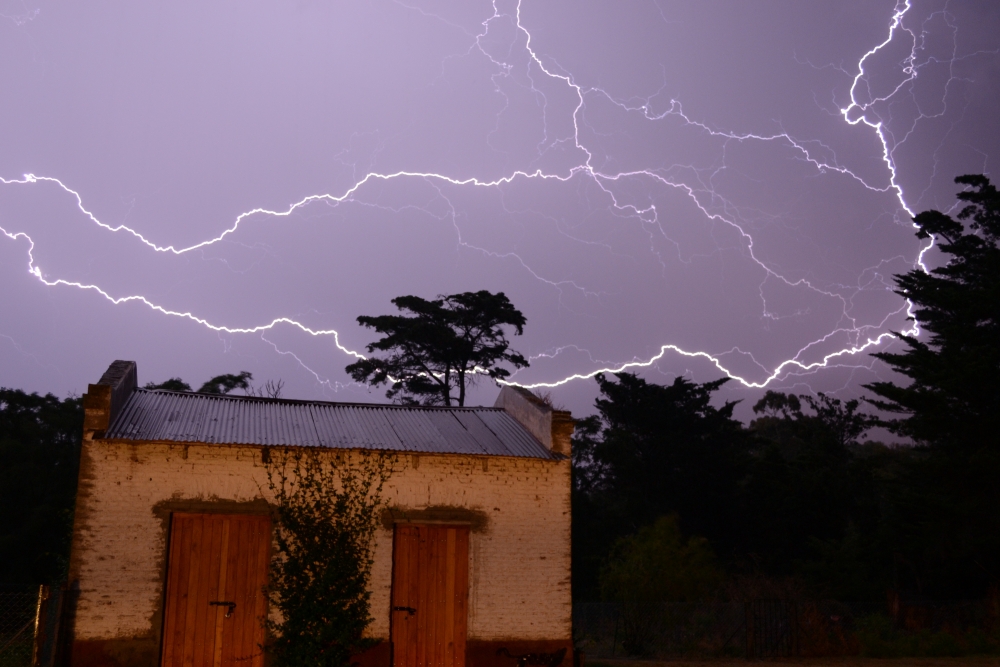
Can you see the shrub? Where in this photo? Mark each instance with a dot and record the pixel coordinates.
(326, 506)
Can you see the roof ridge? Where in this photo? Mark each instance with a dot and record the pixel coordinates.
(303, 401)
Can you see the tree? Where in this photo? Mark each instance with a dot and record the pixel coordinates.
(39, 459)
(440, 346)
(947, 541)
(834, 420)
(173, 384)
(953, 399)
(221, 385)
(808, 493)
(651, 451)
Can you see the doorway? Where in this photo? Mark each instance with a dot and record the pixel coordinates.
(430, 594)
(215, 602)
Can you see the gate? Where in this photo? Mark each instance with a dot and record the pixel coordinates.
(772, 628)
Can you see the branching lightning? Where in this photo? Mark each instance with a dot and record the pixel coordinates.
(860, 110)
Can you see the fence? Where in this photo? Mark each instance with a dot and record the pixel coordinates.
(29, 625)
(783, 628)
(659, 629)
(17, 626)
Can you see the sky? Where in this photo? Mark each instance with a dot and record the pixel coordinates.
(686, 189)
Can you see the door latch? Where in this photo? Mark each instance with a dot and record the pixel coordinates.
(409, 610)
(230, 606)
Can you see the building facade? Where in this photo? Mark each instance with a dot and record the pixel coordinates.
(173, 526)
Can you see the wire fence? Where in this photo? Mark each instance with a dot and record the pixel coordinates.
(17, 626)
(784, 628)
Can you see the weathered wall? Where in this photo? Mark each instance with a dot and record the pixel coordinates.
(519, 547)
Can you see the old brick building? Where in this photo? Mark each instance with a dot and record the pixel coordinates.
(172, 512)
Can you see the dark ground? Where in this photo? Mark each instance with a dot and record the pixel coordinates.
(805, 662)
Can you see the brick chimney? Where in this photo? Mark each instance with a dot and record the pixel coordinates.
(104, 400)
(553, 428)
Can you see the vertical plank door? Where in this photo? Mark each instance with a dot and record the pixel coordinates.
(430, 593)
(215, 603)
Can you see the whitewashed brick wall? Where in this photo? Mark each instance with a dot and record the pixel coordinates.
(519, 564)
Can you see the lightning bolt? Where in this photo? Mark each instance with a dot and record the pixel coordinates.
(864, 108)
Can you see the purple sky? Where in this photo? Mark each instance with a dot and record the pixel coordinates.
(730, 180)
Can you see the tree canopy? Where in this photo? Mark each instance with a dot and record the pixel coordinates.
(953, 399)
(951, 407)
(39, 459)
(220, 384)
(807, 482)
(653, 450)
(436, 349)
(173, 384)
(227, 382)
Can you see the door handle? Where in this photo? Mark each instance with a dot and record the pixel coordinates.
(223, 603)
(409, 610)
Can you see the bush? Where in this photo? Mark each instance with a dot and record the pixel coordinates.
(880, 638)
(326, 505)
(654, 566)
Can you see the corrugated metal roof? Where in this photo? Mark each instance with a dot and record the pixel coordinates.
(171, 416)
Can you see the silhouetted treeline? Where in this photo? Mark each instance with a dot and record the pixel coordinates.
(796, 493)
(39, 459)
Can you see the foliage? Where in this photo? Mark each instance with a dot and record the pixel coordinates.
(949, 537)
(173, 384)
(839, 423)
(327, 506)
(805, 488)
(658, 564)
(227, 382)
(439, 346)
(653, 450)
(800, 493)
(796, 494)
(220, 384)
(880, 637)
(224, 384)
(654, 566)
(39, 459)
(953, 399)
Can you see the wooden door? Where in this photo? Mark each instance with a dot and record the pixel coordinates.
(430, 594)
(215, 603)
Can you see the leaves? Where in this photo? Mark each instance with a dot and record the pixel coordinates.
(953, 399)
(439, 346)
(949, 540)
(223, 384)
(39, 459)
(658, 564)
(653, 450)
(173, 384)
(327, 506)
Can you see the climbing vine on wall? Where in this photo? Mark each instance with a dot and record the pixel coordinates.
(327, 506)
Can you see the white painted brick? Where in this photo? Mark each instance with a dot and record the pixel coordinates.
(519, 565)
